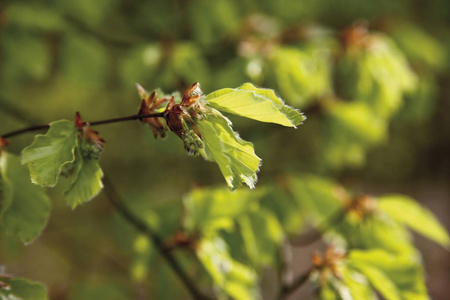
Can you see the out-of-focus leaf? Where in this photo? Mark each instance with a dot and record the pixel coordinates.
(96, 289)
(301, 75)
(84, 59)
(92, 13)
(140, 64)
(404, 271)
(407, 211)
(379, 280)
(34, 17)
(420, 46)
(216, 208)
(23, 289)
(25, 207)
(50, 152)
(86, 181)
(378, 75)
(220, 19)
(230, 276)
(319, 198)
(24, 56)
(262, 235)
(236, 158)
(255, 103)
(188, 63)
(357, 285)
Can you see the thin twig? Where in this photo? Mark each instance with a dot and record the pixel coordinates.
(158, 242)
(287, 290)
(101, 122)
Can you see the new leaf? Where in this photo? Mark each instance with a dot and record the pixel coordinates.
(236, 158)
(255, 103)
(25, 207)
(50, 152)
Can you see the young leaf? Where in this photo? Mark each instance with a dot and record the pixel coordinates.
(379, 280)
(255, 103)
(236, 158)
(405, 210)
(232, 277)
(20, 288)
(25, 207)
(262, 235)
(86, 181)
(50, 152)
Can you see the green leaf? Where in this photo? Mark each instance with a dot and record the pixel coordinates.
(379, 280)
(230, 276)
(216, 208)
(236, 158)
(25, 206)
(262, 235)
(86, 181)
(255, 103)
(22, 289)
(407, 211)
(50, 152)
(403, 270)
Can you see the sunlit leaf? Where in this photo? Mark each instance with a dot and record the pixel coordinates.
(50, 152)
(403, 270)
(379, 280)
(230, 276)
(255, 103)
(407, 211)
(236, 158)
(213, 209)
(25, 207)
(262, 235)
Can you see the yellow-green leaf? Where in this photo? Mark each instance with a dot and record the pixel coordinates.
(255, 103)
(236, 158)
(407, 211)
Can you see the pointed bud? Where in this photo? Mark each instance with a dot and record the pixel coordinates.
(142, 92)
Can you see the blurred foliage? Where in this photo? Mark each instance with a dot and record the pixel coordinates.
(372, 78)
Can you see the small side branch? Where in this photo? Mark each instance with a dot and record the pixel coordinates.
(158, 242)
(288, 290)
(101, 122)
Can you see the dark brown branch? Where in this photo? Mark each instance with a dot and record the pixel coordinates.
(158, 242)
(101, 122)
(287, 290)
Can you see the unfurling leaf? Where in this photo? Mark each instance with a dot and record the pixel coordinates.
(50, 152)
(236, 158)
(255, 103)
(25, 207)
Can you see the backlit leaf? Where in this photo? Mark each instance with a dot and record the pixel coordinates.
(409, 212)
(236, 158)
(255, 103)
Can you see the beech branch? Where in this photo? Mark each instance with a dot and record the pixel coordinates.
(158, 242)
(289, 289)
(100, 122)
